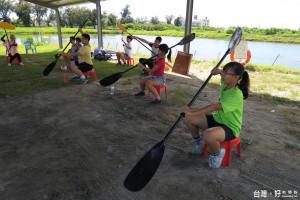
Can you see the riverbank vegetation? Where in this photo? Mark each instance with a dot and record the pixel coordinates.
(269, 82)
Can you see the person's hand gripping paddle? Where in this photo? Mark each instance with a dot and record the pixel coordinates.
(50, 67)
(115, 77)
(146, 167)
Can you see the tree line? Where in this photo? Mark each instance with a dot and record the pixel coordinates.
(30, 15)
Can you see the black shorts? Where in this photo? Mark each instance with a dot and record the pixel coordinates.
(84, 67)
(212, 123)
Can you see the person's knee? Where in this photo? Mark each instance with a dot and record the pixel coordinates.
(208, 136)
(187, 119)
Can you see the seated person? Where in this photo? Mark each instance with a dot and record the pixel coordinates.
(154, 49)
(85, 59)
(128, 49)
(12, 49)
(158, 75)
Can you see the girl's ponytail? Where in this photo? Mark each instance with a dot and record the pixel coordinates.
(244, 84)
(169, 55)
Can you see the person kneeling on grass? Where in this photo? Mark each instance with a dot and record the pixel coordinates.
(85, 59)
(225, 122)
(158, 75)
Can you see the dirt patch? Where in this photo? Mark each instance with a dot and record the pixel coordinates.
(80, 142)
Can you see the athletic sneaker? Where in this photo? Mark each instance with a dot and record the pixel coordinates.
(216, 161)
(75, 78)
(155, 101)
(125, 65)
(197, 147)
(83, 81)
(9, 64)
(140, 93)
(118, 64)
(21, 63)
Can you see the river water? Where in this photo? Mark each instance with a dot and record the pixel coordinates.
(204, 49)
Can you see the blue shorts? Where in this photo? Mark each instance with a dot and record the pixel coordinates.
(160, 79)
(126, 56)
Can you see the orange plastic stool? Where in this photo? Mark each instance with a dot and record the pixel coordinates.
(15, 60)
(92, 74)
(227, 146)
(129, 61)
(167, 66)
(158, 90)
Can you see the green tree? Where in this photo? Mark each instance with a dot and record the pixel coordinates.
(5, 10)
(178, 21)
(111, 19)
(169, 18)
(126, 15)
(39, 12)
(51, 17)
(141, 20)
(154, 20)
(23, 10)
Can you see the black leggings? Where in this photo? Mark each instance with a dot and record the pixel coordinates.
(14, 56)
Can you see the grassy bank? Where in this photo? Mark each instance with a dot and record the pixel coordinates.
(278, 38)
(269, 82)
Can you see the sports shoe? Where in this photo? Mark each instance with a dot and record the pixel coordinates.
(125, 65)
(155, 101)
(140, 93)
(119, 63)
(9, 64)
(216, 161)
(75, 78)
(83, 81)
(21, 63)
(197, 147)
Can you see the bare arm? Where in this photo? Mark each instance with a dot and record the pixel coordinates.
(202, 111)
(141, 39)
(148, 69)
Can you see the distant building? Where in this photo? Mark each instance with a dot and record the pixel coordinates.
(204, 22)
(196, 22)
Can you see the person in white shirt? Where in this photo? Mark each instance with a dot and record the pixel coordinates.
(127, 54)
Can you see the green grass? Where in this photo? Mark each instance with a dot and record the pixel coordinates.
(18, 80)
(291, 146)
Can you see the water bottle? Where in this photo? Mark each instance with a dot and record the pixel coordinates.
(112, 89)
(66, 79)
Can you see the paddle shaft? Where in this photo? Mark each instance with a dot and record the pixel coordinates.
(7, 41)
(194, 98)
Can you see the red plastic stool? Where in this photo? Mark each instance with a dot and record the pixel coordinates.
(158, 90)
(92, 74)
(227, 146)
(129, 61)
(16, 60)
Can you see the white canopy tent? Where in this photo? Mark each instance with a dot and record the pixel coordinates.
(55, 4)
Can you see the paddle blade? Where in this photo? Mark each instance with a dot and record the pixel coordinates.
(235, 39)
(6, 25)
(122, 28)
(144, 170)
(49, 68)
(111, 79)
(187, 39)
